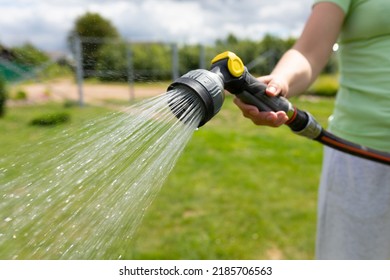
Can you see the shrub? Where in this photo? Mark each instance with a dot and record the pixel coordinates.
(3, 96)
(51, 119)
(325, 85)
(20, 95)
(71, 103)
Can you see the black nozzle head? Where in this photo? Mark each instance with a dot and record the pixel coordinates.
(201, 86)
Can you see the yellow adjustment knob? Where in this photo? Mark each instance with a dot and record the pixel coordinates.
(234, 64)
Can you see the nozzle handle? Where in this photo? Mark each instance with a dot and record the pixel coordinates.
(238, 81)
(253, 92)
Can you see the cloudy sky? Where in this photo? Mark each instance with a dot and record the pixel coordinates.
(45, 23)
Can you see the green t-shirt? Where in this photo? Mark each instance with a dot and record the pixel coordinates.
(362, 108)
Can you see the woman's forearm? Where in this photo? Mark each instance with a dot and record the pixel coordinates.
(301, 65)
(295, 70)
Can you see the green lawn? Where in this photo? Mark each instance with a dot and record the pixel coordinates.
(237, 192)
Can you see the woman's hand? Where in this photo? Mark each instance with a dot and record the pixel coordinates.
(273, 119)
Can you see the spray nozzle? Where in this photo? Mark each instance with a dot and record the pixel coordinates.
(207, 87)
(228, 72)
(200, 87)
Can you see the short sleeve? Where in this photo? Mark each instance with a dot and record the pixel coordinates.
(343, 4)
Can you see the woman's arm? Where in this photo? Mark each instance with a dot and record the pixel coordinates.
(300, 65)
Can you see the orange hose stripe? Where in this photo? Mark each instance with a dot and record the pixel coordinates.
(292, 118)
(357, 150)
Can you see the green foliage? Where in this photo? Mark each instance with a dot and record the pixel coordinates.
(103, 52)
(70, 103)
(96, 28)
(189, 58)
(331, 66)
(325, 85)
(247, 50)
(22, 63)
(112, 61)
(55, 70)
(3, 96)
(27, 62)
(51, 119)
(152, 61)
(272, 48)
(29, 55)
(265, 52)
(20, 95)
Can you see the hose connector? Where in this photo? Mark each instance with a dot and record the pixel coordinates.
(312, 130)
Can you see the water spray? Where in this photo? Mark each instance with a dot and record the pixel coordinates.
(228, 72)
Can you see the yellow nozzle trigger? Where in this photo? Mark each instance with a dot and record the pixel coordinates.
(235, 65)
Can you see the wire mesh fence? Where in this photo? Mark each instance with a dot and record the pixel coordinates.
(126, 61)
(116, 60)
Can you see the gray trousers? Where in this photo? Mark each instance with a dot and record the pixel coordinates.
(353, 208)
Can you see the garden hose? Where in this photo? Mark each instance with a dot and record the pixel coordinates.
(228, 72)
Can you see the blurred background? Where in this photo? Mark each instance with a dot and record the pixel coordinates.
(138, 41)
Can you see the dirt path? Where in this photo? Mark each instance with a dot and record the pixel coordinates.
(62, 90)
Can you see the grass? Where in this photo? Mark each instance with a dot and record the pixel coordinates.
(237, 192)
(16, 131)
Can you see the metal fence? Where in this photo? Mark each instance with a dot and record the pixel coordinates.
(121, 60)
(131, 62)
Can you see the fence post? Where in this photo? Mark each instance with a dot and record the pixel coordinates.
(130, 70)
(202, 57)
(79, 68)
(175, 62)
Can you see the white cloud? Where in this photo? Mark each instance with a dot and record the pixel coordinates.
(46, 23)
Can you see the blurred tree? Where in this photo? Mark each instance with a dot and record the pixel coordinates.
(92, 29)
(271, 49)
(189, 58)
(112, 62)
(152, 61)
(29, 55)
